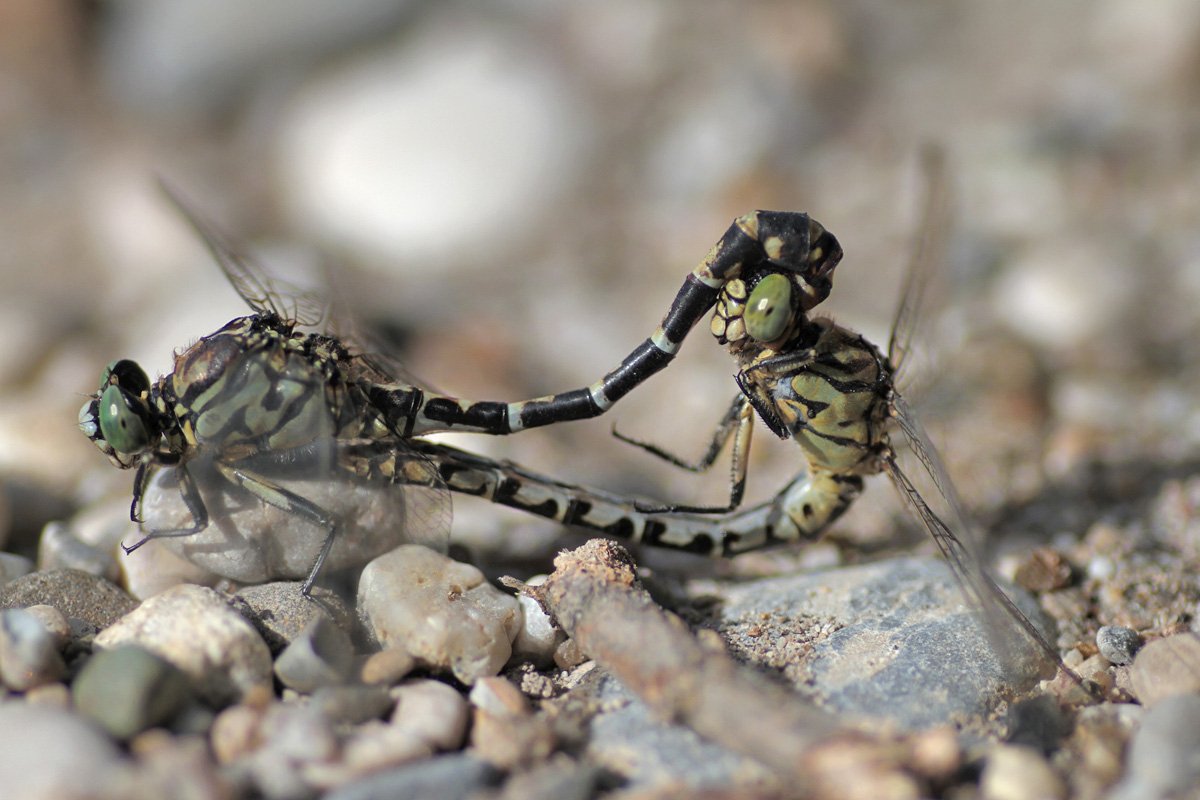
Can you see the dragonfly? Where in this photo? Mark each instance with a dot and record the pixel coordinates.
(264, 407)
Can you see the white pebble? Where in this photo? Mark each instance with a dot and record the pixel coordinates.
(442, 612)
(432, 711)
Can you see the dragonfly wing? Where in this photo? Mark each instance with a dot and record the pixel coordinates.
(927, 253)
(262, 292)
(1014, 637)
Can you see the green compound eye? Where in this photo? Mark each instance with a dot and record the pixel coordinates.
(769, 308)
(120, 423)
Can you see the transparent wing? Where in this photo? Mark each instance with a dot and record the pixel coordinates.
(1014, 637)
(927, 255)
(261, 292)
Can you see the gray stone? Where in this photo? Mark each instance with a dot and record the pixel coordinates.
(352, 704)
(442, 612)
(29, 654)
(129, 689)
(59, 549)
(452, 777)
(321, 656)
(281, 613)
(74, 593)
(49, 752)
(195, 629)
(13, 566)
(1164, 755)
(1118, 644)
(894, 639)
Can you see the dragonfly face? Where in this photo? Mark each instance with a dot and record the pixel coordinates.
(122, 420)
(766, 303)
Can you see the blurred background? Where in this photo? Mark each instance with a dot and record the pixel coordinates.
(511, 192)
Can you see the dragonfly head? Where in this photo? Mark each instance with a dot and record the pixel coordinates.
(120, 420)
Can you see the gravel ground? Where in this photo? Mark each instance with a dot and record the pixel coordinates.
(510, 193)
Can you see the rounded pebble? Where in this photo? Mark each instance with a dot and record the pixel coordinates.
(498, 695)
(129, 689)
(352, 704)
(1161, 759)
(1166, 667)
(197, 631)
(373, 747)
(73, 757)
(442, 612)
(321, 656)
(71, 591)
(387, 667)
(58, 547)
(53, 621)
(29, 654)
(1013, 772)
(1118, 644)
(510, 741)
(432, 711)
(281, 613)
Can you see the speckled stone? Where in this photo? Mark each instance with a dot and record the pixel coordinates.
(195, 629)
(1118, 644)
(281, 612)
(71, 591)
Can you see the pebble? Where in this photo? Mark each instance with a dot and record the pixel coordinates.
(60, 548)
(1037, 723)
(1166, 667)
(71, 591)
(902, 644)
(234, 732)
(450, 777)
(432, 711)
(370, 748)
(49, 694)
(53, 621)
(195, 629)
(292, 738)
(250, 541)
(13, 566)
(538, 637)
(1013, 772)
(1161, 760)
(498, 695)
(491, 132)
(29, 654)
(153, 568)
(442, 612)
(1118, 644)
(321, 655)
(281, 613)
(352, 704)
(71, 755)
(128, 689)
(504, 729)
(387, 667)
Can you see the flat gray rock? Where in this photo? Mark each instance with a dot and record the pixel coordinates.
(893, 640)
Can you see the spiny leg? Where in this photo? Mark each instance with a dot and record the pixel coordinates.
(738, 422)
(191, 498)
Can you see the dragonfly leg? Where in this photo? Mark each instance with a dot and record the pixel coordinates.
(273, 494)
(738, 422)
(720, 436)
(191, 499)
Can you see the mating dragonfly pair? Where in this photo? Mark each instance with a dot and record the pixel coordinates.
(259, 399)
